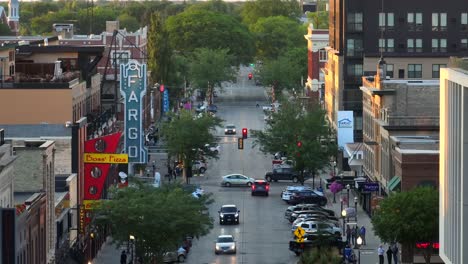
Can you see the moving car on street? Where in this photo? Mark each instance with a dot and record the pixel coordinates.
(237, 179)
(260, 186)
(230, 129)
(288, 174)
(228, 214)
(225, 244)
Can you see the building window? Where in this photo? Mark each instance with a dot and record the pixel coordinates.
(436, 70)
(464, 44)
(401, 73)
(464, 18)
(415, 22)
(414, 70)
(323, 55)
(354, 47)
(386, 21)
(439, 21)
(355, 22)
(390, 69)
(439, 45)
(386, 45)
(121, 56)
(414, 45)
(355, 70)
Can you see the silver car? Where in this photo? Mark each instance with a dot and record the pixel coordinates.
(225, 244)
(237, 179)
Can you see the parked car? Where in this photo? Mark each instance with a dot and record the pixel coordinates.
(288, 174)
(213, 148)
(311, 213)
(237, 179)
(306, 208)
(212, 108)
(225, 244)
(317, 218)
(176, 256)
(307, 196)
(260, 186)
(228, 214)
(312, 240)
(286, 193)
(200, 166)
(313, 227)
(230, 129)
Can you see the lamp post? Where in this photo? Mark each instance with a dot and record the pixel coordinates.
(359, 242)
(132, 238)
(341, 204)
(348, 187)
(334, 166)
(343, 214)
(355, 206)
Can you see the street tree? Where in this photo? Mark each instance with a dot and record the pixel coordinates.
(211, 30)
(254, 10)
(319, 19)
(303, 135)
(218, 6)
(275, 35)
(407, 218)
(159, 49)
(185, 136)
(209, 68)
(158, 218)
(128, 22)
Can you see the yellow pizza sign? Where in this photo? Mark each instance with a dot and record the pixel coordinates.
(106, 158)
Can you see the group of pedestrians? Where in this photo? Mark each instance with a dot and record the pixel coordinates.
(392, 253)
(352, 234)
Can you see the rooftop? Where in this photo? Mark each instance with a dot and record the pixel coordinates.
(416, 144)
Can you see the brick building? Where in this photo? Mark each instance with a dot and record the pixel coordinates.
(317, 41)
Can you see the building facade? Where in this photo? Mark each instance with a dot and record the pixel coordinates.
(416, 42)
(317, 41)
(6, 173)
(453, 205)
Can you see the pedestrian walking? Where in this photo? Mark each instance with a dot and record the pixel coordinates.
(123, 258)
(348, 234)
(353, 236)
(381, 252)
(362, 233)
(389, 254)
(395, 251)
(347, 253)
(356, 234)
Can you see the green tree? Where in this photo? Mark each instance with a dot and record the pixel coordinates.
(209, 68)
(254, 10)
(158, 218)
(281, 74)
(407, 218)
(5, 30)
(217, 6)
(303, 135)
(322, 255)
(185, 136)
(275, 35)
(190, 30)
(159, 49)
(319, 19)
(128, 22)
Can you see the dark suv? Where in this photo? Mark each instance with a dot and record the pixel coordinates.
(228, 214)
(260, 186)
(307, 196)
(282, 173)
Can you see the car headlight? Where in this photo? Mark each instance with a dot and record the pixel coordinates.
(217, 247)
(233, 246)
(225, 130)
(221, 215)
(233, 130)
(236, 215)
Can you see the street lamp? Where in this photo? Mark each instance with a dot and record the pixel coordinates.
(359, 242)
(343, 214)
(334, 166)
(341, 202)
(355, 206)
(348, 187)
(132, 238)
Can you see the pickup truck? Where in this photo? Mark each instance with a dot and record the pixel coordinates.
(317, 239)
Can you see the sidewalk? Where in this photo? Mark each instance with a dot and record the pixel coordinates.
(368, 251)
(109, 253)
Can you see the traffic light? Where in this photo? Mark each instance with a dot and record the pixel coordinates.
(244, 132)
(299, 144)
(161, 88)
(240, 143)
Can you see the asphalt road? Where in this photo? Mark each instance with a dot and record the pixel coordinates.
(263, 234)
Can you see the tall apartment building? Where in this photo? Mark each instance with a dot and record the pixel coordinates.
(452, 172)
(416, 41)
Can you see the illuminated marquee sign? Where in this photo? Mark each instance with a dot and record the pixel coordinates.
(132, 89)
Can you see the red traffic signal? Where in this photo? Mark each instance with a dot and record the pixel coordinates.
(244, 133)
(161, 88)
(299, 144)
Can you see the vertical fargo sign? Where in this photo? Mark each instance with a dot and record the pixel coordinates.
(132, 89)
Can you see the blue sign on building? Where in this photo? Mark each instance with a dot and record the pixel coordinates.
(370, 187)
(166, 101)
(132, 89)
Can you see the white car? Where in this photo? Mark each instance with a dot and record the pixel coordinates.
(225, 244)
(288, 192)
(200, 166)
(213, 148)
(237, 179)
(313, 226)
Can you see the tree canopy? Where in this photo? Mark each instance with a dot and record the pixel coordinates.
(291, 125)
(158, 218)
(190, 30)
(409, 217)
(254, 10)
(275, 35)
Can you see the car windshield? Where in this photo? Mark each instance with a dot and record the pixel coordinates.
(225, 239)
(229, 209)
(230, 127)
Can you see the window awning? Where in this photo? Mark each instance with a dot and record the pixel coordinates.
(393, 183)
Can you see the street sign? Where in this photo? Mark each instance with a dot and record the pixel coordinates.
(240, 143)
(165, 101)
(300, 240)
(299, 232)
(133, 89)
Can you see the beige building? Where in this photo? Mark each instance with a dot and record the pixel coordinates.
(453, 160)
(6, 173)
(422, 68)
